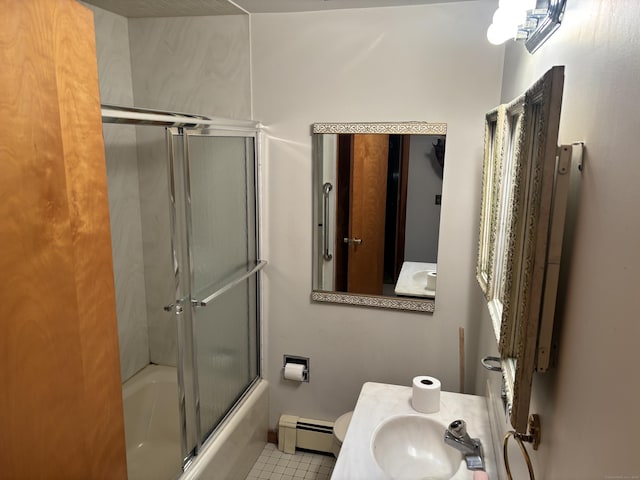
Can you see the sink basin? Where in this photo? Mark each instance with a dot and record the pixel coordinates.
(411, 447)
(421, 276)
(425, 278)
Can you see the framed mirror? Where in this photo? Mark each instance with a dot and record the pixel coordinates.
(377, 189)
(523, 185)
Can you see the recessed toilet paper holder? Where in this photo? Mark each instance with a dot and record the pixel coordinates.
(297, 360)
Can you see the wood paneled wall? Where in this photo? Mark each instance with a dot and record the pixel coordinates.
(60, 398)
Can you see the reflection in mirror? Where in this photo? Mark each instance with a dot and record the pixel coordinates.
(377, 199)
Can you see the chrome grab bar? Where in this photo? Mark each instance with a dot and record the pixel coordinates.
(493, 364)
(203, 303)
(326, 188)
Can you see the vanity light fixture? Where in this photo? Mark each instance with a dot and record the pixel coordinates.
(531, 21)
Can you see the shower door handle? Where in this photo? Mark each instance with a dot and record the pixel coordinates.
(228, 286)
(175, 307)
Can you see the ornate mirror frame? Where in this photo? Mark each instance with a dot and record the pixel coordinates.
(521, 145)
(491, 174)
(391, 128)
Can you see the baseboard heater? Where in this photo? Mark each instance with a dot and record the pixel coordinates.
(297, 432)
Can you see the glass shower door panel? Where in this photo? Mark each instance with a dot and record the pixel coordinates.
(221, 183)
(222, 236)
(226, 341)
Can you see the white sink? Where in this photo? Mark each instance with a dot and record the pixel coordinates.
(378, 424)
(421, 276)
(413, 279)
(411, 447)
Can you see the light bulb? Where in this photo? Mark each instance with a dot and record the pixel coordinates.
(498, 34)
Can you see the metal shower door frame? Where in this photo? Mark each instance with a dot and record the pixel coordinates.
(183, 262)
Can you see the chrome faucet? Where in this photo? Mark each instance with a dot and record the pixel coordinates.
(457, 437)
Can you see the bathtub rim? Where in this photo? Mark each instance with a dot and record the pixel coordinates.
(150, 373)
(198, 463)
(195, 467)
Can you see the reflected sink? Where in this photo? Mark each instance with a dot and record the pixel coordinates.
(411, 447)
(426, 279)
(421, 276)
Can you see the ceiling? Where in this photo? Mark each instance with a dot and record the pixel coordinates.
(182, 8)
(167, 8)
(272, 6)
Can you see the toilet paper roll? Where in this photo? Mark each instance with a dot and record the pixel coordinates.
(426, 394)
(431, 280)
(294, 371)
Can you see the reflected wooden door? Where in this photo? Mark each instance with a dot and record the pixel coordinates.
(369, 163)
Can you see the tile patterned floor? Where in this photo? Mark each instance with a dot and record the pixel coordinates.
(276, 465)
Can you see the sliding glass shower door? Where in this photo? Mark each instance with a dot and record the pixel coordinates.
(215, 248)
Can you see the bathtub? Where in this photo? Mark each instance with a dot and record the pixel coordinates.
(152, 432)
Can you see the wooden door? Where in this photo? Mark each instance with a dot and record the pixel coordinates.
(369, 161)
(60, 403)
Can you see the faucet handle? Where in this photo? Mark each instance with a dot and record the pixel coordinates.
(458, 428)
(457, 437)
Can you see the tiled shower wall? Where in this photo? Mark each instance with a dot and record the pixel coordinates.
(114, 65)
(185, 64)
(192, 64)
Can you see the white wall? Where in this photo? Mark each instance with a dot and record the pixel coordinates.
(589, 404)
(423, 184)
(429, 63)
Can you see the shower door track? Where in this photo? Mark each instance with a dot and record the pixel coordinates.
(163, 118)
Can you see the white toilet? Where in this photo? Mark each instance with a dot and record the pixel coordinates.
(339, 431)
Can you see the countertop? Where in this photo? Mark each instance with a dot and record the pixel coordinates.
(378, 401)
(408, 286)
